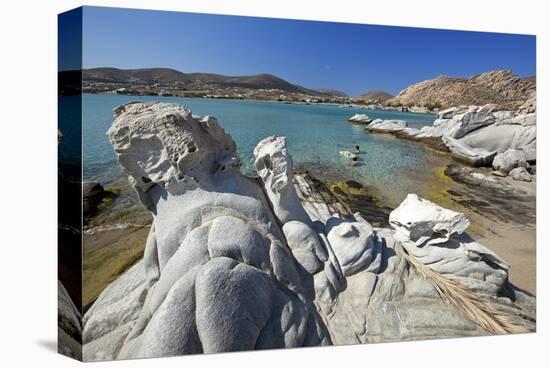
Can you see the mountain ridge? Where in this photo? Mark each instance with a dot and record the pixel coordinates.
(500, 87)
(197, 80)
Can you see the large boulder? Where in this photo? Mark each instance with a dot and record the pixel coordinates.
(468, 154)
(436, 237)
(382, 126)
(500, 138)
(360, 118)
(509, 160)
(457, 122)
(422, 222)
(463, 124)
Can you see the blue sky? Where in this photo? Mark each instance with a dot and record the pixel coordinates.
(353, 58)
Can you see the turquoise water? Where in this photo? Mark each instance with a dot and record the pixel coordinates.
(315, 133)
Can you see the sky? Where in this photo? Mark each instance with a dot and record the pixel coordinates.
(69, 35)
(352, 58)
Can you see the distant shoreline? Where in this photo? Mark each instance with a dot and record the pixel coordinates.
(350, 106)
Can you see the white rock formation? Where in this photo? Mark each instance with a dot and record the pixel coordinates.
(216, 259)
(434, 236)
(474, 134)
(463, 124)
(232, 264)
(360, 118)
(499, 138)
(380, 125)
(509, 118)
(274, 166)
(354, 246)
(465, 153)
(509, 160)
(112, 316)
(419, 222)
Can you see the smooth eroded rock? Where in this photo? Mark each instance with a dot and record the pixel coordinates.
(360, 118)
(422, 222)
(509, 160)
(380, 125)
(233, 263)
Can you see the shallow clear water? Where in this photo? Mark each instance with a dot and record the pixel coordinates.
(316, 134)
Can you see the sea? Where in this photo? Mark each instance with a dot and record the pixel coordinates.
(315, 134)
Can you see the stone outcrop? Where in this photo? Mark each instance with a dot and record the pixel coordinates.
(217, 260)
(419, 222)
(468, 122)
(467, 154)
(385, 126)
(233, 263)
(435, 236)
(531, 104)
(506, 90)
(476, 135)
(509, 160)
(360, 119)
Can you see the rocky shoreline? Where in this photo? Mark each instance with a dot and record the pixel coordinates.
(492, 175)
(114, 214)
(121, 216)
(479, 136)
(327, 276)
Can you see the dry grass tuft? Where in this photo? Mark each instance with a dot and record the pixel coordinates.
(468, 303)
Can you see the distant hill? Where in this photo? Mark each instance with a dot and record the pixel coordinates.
(374, 95)
(500, 87)
(196, 81)
(114, 75)
(331, 92)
